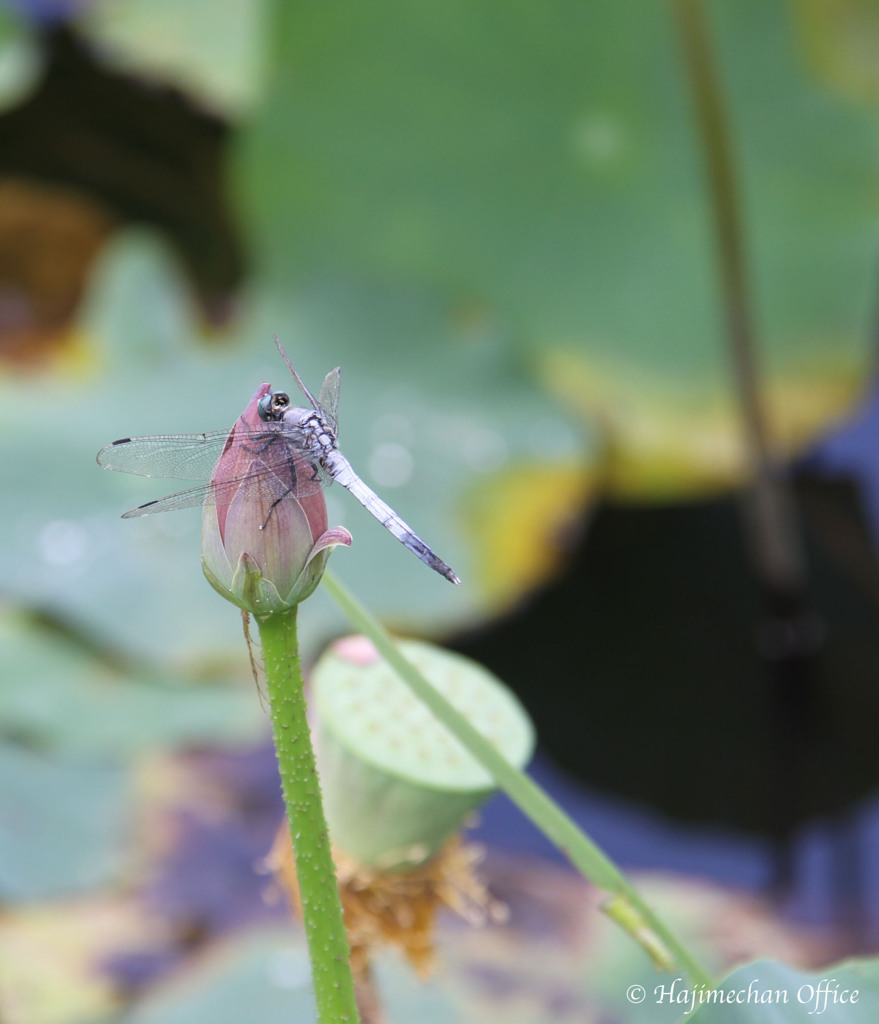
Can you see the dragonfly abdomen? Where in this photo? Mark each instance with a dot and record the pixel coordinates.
(340, 469)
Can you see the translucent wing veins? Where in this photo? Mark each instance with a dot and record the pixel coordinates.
(175, 456)
(328, 400)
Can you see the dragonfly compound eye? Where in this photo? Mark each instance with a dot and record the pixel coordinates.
(262, 407)
(271, 407)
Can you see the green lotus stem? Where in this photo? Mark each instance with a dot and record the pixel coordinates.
(640, 922)
(315, 870)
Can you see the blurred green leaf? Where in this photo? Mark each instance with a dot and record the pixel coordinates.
(20, 62)
(215, 51)
(540, 167)
(802, 998)
(61, 698)
(62, 823)
(841, 40)
(139, 583)
(270, 970)
(464, 208)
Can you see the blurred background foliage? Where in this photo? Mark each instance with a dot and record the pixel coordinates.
(494, 218)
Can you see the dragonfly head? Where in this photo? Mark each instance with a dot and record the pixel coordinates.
(271, 407)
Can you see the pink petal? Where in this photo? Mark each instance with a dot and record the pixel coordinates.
(331, 539)
(235, 460)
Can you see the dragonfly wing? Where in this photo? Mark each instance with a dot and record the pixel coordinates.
(177, 456)
(194, 456)
(329, 397)
(309, 397)
(183, 499)
(263, 482)
(327, 403)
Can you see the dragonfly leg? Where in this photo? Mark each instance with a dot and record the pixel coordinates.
(261, 442)
(275, 504)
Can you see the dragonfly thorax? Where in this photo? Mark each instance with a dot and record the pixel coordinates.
(316, 433)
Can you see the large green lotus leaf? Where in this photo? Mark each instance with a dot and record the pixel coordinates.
(416, 428)
(62, 823)
(460, 205)
(214, 51)
(796, 995)
(64, 547)
(270, 970)
(539, 166)
(539, 174)
(19, 58)
(841, 41)
(60, 697)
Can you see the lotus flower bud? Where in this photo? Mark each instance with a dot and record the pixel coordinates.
(263, 548)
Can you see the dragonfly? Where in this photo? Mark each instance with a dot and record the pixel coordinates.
(297, 443)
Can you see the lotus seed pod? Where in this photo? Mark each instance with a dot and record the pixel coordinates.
(396, 783)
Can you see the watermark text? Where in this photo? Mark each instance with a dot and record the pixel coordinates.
(816, 998)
